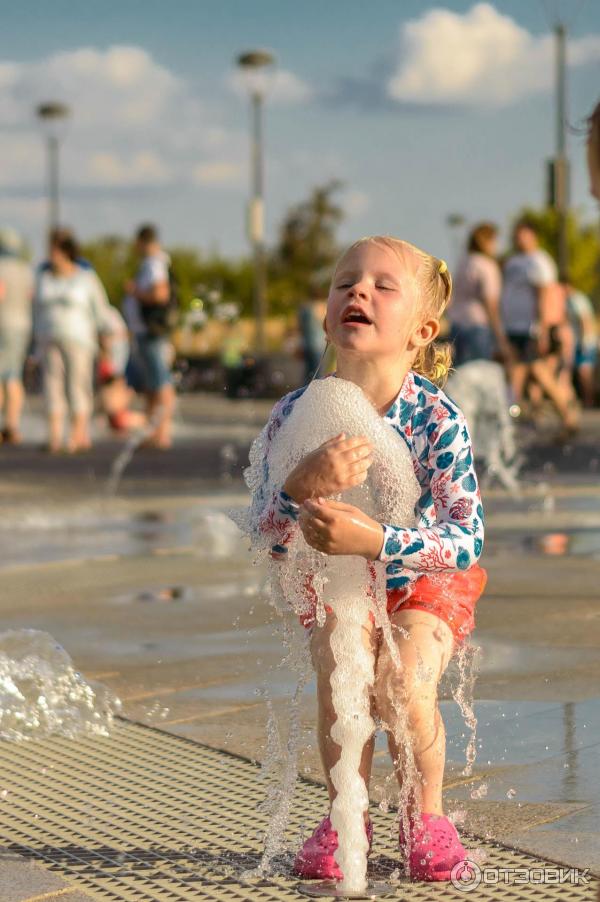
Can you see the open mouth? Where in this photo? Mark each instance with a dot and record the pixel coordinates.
(355, 316)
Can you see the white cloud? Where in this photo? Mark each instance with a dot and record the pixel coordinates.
(481, 58)
(218, 173)
(133, 122)
(136, 169)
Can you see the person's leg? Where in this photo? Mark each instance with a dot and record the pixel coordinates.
(161, 394)
(161, 408)
(586, 374)
(544, 376)
(14, 405)
(324, 664)
(54, 392)
(79, 374)
(518, 379)
(406, 702)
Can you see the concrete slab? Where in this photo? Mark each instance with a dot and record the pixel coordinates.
(96, 573)
(24, 880)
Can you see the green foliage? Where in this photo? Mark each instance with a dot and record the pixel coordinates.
(115, 261)
(302, 262)
(583, 243)
(299, 267)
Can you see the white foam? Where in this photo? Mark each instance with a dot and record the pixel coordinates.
(389, 494)
(41, 693)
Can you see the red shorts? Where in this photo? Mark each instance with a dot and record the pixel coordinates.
(451, 595)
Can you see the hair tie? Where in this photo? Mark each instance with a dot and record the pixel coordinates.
(443, 267)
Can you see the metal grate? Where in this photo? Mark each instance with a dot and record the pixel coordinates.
(148, 816)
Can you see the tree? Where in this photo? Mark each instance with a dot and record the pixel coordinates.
(302, 261)
(115, 261)
(583, 242)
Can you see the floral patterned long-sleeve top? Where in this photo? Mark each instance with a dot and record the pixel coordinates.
(449, 514)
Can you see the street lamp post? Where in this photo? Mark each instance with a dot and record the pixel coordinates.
(254, 64)
(52, 116)
(562, 162)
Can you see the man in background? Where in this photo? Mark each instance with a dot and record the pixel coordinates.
(147, 307)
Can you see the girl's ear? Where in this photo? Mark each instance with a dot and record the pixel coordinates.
(425, 333)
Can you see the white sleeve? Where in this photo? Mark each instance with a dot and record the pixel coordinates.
(158, 271)
(542, 271)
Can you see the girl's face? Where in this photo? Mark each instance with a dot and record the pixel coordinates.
(372, 308)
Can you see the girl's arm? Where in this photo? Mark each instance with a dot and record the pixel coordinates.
(337, 464)
(455, 540)
(271, 519)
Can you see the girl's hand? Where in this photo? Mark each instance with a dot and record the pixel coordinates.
(337, 528)
(337, 464)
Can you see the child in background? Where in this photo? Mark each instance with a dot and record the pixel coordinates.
(113, 357)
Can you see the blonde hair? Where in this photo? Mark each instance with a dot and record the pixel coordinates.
(433, 286)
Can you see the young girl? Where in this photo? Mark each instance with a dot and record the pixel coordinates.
(383, 314)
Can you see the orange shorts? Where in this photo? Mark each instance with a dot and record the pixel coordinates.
(451, 595)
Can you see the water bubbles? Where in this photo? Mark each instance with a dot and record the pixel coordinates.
(41, 694)
(480, 792)
(458, 816)
(229, 457)
(157, 712)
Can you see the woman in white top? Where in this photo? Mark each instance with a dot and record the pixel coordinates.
(69, 311)
(474, 314)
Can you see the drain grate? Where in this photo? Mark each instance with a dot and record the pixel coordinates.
(145, 816)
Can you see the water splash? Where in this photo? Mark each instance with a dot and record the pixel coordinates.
(41, 694)
(123, 458)
(307, 579)
(467, 659)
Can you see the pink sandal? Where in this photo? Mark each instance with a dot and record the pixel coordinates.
(435, 848)
(315, 860)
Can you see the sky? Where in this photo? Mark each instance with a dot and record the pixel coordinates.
(421, 109)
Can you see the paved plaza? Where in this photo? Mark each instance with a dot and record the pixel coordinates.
(152, 593)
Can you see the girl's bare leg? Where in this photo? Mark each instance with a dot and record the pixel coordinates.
(406, 700)
(324, 664)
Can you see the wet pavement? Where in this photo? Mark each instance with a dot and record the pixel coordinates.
(152, 594)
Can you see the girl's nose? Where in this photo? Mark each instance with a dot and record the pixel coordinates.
(358, 290)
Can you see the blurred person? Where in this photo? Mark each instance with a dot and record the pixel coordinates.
(476, 329)
(593, 151)
(147, 308)
(560, 355)
(583, 319)
(70, 306)
(115, 395)
(310, 317)
(62, 233)
(16, 293)
(528, 307)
